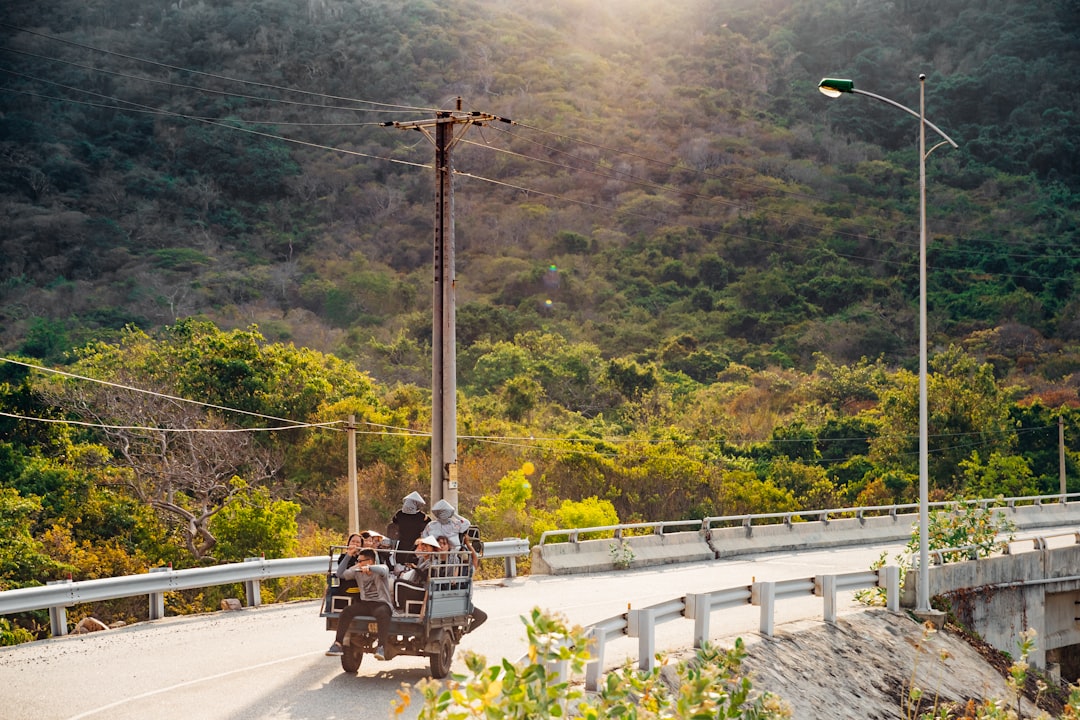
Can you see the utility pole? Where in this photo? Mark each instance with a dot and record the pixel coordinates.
(1061, 456)
(444, 131)
(354, 491)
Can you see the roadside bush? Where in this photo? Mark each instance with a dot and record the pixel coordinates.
(709, 686)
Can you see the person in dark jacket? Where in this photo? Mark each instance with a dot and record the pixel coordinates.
(407, 526)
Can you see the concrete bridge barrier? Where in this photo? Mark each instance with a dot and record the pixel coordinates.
(588, 556)
(733, 541)
(560, 552)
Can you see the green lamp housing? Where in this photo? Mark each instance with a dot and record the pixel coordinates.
(834, 87)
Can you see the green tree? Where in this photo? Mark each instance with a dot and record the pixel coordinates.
(507, 512)
(254, 524)
(1007, 475)
(966, 407)
(23, 559)
(742, 493)
(588, 512)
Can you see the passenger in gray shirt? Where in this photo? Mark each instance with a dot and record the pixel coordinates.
(376, 600)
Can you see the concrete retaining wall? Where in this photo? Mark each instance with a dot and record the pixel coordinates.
(1000, 597)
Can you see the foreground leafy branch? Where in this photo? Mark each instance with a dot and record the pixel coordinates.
(708, 686)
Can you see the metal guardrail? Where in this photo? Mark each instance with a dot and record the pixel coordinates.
(59, 595)
(641, 623)
(1038, 542)
(572, 535)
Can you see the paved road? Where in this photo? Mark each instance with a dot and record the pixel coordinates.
(267, 663)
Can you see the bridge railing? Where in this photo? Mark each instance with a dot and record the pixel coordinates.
(642, 622)
(573, 535)
(59, 595)
(1012, 546)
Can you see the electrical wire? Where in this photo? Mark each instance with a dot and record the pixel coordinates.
(710, 230)
(797, 221)
(212, 91)
(81, 423)
(293, 423)
(628, 177)
(176, 68)
(405, 108)
(138, 107)
(164, 396)
(665, 163)
(672, 166)
(616, 175)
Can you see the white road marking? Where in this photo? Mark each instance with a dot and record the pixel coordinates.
(189, 683)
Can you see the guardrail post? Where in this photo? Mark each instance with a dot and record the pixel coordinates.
(157, 599)
(559, 671)
(510, 564)
(595, 667)
(253, 588)
(763, 594)
(825, 586)
(640, 624)
(58, 614)
(889, 576)
(699, 607)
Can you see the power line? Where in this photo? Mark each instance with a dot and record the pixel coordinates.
(164, 396)
(293, 423)
(664, 163)
(627, 177)
(211, 75)
(710, 230)
(138, 107)
(81, 423)
(741, 205)
(615, 175)
(403, 108)
(407, 108)
(204, 89)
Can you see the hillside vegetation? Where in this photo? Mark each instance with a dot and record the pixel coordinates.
(687, 282)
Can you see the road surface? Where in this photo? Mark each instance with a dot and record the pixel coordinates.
(267, 663)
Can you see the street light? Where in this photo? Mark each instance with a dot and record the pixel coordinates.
(834, 87)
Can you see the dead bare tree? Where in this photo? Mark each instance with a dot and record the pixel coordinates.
(186, 462)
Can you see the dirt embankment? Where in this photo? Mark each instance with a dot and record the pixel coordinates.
(864, 666)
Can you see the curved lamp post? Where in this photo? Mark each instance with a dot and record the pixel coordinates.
(834, 87)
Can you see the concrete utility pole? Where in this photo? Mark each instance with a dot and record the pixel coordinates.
(1061, 456)
(444, 131)
(354, 490)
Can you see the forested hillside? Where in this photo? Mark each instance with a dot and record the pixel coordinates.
(687, 281)
(674, 165)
